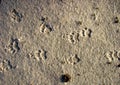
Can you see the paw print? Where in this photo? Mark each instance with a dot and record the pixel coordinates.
(112, 56)
(73, 59)
(39, 55)
(109, 56)
(86, 32)
(73, 37)
(45, 27)
(16, 16)
(6, 65)
(13, 46)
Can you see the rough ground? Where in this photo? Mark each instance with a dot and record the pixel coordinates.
(41, 40)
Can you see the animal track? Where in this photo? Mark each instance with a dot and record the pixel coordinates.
(13, 46)
(86, 32)
(6, 65)
(16, 16)
(73, 37)
(45, 27)
(39, 55)
(73, 59)
(112, 56)
(109, 56)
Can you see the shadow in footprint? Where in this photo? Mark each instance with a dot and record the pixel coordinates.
(115, 20)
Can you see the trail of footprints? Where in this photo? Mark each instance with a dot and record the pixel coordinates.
(13, 47)
(74, 37)
(41, 54)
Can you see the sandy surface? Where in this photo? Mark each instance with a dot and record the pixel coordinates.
(59, 42)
